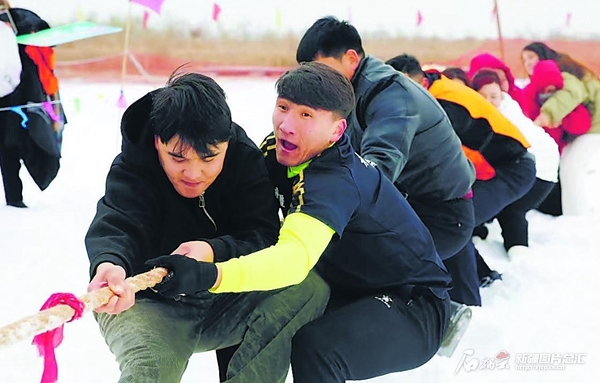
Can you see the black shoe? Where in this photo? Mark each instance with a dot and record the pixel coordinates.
(490, 278)
(16, 204)
(460, 318)
(481, 231)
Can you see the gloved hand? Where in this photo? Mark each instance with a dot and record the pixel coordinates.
(186, 275)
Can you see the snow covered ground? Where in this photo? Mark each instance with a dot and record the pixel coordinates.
(542, 314)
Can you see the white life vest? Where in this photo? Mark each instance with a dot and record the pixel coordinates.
(10, 62)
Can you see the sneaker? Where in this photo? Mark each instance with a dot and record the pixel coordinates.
(517, 252)
(459, 321)
(490, 278)
(19, 204)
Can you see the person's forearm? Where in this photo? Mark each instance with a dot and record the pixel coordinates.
(301, 242)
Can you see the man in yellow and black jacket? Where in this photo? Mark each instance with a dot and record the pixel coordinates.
(345, 218)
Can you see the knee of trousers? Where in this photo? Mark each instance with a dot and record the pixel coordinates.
(142, 355)
(312, 353)
(292, 307)
(317, 292)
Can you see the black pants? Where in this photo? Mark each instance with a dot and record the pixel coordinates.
(553, 203)
(450, 223)
(512, 218)
(368, 337)
(512, 181)
(10, 165)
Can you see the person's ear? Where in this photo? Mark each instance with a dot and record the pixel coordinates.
(425, 82)
(156, 142)
(340, 128)
(351, 59)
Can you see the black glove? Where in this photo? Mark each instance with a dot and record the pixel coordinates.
(186, 275)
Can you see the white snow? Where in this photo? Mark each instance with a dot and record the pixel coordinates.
(545, 305)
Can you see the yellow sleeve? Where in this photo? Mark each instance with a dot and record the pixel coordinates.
(302, 240)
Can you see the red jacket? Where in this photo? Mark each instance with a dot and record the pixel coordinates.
(547, 73)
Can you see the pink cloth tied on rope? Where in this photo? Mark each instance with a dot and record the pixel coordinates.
(49, 340)
(49, 108)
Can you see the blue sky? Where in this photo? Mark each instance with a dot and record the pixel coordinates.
(441, 18)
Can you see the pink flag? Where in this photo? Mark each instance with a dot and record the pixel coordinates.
(216, 11)
(154, 5)
(568, 19)
(122, 102)
(495, 12)
(419, 18)
(145, 19)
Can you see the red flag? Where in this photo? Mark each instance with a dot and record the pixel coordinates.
(216, 11)
(154, 5)
(568, 19)
(145, 19)
(419, 18)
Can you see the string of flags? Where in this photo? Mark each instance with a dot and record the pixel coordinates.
(494, 15)
(46, 106)
(156, 7)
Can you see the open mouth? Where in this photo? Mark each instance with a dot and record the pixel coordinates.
(287, 145)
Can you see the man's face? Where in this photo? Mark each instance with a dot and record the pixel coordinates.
(190, 173)
(302, 132)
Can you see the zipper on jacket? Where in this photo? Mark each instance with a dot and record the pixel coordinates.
(202, 205)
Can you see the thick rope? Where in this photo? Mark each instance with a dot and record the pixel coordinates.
(53, 317)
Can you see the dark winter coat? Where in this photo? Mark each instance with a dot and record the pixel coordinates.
(38, 142)
(141, 215)
(400, 127)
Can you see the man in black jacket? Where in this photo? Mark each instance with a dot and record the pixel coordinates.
(389, 304)
(402, 129)
(187, 172)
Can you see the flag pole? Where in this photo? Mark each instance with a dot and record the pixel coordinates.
(126, 47)
(498, 26)
(5, 7)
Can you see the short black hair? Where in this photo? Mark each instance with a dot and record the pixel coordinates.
(328, 37)
(193, 107)
(407, 64)
(456, 72)
(317, 86)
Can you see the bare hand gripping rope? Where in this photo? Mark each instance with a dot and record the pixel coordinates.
(54, 317)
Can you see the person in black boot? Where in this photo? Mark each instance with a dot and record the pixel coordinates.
(27, 133)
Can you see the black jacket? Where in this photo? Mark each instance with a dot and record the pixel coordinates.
(141, 216)
(399, 126)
